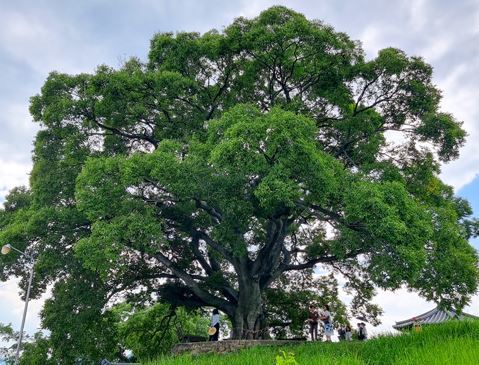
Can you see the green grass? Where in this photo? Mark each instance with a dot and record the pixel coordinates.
(454, 343)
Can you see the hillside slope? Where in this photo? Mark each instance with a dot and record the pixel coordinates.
(450, 343)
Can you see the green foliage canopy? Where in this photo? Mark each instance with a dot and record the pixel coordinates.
(233, 160)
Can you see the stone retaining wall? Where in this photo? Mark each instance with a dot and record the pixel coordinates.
(225, 346)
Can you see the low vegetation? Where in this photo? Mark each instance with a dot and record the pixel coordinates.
(450, 343)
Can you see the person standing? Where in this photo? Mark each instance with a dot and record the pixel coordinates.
(313, 322)
(328, 323)
(362, 332)
(215, 323)
(349, 333)
(341, 333)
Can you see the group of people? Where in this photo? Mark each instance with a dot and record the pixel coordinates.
(315, 316)
(345, 332)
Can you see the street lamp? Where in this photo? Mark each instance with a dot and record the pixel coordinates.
(6, 250)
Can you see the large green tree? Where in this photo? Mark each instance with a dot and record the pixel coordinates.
(230, 163)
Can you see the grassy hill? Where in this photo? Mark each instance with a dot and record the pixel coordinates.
(450, 343)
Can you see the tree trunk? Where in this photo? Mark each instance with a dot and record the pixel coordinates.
(248, 319)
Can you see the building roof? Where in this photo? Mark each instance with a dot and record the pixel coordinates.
(433, 316)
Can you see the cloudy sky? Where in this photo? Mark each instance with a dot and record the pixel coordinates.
(39, 36)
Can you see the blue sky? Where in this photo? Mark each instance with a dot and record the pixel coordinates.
(471, 192)
(39, 36)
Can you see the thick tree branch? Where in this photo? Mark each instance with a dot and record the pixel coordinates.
(320, 260)
(212, 268)
(91, 116)
(213, 212)
(227, 254)
(132, 281)
(193, 285)
(218, 94)
(321, 213)
(268, 256)
(366, 86)
(380, 99)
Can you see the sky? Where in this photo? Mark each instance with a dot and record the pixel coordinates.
(40, 36)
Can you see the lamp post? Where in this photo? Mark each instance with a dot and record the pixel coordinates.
(6, 250)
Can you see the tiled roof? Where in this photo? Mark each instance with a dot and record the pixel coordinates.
(433, 316)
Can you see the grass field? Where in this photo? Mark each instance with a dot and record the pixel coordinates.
(455, 343)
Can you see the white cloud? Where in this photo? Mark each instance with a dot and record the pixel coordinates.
(460, 98)
(417, 12)
(11, 307)
(398, 305)
(436, 48)
(18, 118)
(371, 40)
(46, 44)
(12, 174)
(475, 28)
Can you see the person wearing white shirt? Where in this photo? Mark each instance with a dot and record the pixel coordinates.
(215, 323)
(349, 333)
(328, 323)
